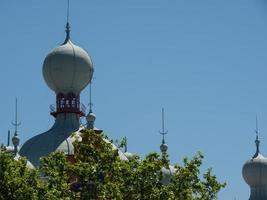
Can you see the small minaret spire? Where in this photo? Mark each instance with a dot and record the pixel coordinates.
(68, 11)
(163, 132)
(90, 98)
(90, 118)
(15, 138)
(257, 141)
(16, 124)
(125, 143)
(163, 146)
(67, 24)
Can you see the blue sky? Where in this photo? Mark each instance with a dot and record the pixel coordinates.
(203, 61)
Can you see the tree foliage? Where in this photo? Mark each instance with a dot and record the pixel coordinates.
(97, 172)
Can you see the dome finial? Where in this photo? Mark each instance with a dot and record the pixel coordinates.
(90, 98)
(67, 24)
(257, 141)
(163, 146)
(16, 124)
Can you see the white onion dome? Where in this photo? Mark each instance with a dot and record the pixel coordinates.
(67, 68)
(255, 170)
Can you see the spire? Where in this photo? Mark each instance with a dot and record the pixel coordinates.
(16, 124)
(163, 146)
(15, 138)
(67, 24)
(257, 141)
(90, 118)
(125, 144)
(90, 99)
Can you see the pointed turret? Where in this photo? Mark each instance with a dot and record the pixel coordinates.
(16, 124)
(168, 170)
(255, 172)
(90, 118)
(163, 146)
(257, 141)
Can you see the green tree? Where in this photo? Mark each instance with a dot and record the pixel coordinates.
(16, 180)
(101, 174)
(98, 172)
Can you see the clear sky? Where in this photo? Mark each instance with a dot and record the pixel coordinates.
(204, 61)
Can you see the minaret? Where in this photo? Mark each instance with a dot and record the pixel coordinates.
(257, 141)
(163, 146)
(67, 70)
(90, 118)
(15, 138)
(255, 172)
(168, 170)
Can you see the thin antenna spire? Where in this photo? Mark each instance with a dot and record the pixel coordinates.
(68, 11)
(15, 138)
(256, 130)
(90, 100)
(90, 118)
(257, 141)
(67, 24)
(16, 124)
(163, 132)
(90, 96)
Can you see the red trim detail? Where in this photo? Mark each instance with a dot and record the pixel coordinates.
(69, 103)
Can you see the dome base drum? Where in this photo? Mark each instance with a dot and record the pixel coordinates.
(69, 103)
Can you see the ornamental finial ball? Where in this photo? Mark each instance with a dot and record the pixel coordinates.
(164, 147)
(15, 140)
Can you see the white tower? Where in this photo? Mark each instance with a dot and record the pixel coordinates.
(255, 174)
(67, 70)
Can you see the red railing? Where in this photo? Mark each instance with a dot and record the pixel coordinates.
(69, 103)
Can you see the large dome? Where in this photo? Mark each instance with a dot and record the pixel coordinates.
(67, 69)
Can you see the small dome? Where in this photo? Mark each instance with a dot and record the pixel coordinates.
(128, 155)
(15, 140)
(167, 174)
(29, 165)
(90, 117)
(255, 171)
(9, 148)
(67, 69)
(163, 147)
(66, 146)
